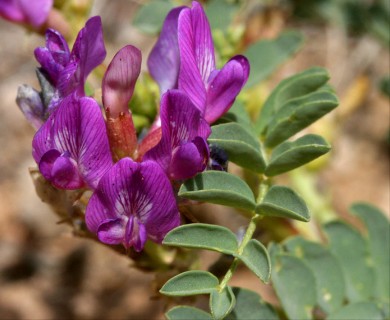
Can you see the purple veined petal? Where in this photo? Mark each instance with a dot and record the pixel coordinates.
(49, 65)
(135, 235)
(120, 78)
(224, 88)
(68, 82)
(30, 103)
(42, 141)
(189, 159)
(37, 11)
(60, 170)
(88, 50)
(111, 231)
(164, 59)
(190, 78)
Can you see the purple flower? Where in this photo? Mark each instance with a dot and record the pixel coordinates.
(133, 202)
(67, 70)
(212, 91)
(182, 151)
(33, 13)
(71, 148)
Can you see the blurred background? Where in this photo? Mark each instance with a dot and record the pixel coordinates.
(47, 273)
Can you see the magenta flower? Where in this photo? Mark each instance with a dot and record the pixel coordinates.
(67, 70)
(133, 202)
(29, 12)
(71, 148)
(182, 151)
(212, 91)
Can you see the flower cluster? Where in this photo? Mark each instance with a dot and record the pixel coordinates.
(77, 147)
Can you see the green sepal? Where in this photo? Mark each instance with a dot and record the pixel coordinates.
(186, 312)
(378, 235)
(283, 202)
(256, 258)
(220, 188)
(267, 55)
(351, 249)
(297, 114)
(203, 236)
(222, 303)
(290, 155)
(190, 283)
(241, 146)
(250, 306)
(326, 269)
(295, 86)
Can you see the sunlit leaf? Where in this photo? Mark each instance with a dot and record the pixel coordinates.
(190, 283)
(290, 155)
(203, 236)
(220, 188)
(240, 145)
(293, 87)
(222, 303)
(267, 55)
(283, 202)
(256, 258)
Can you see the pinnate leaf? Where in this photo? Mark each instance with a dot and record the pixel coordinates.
(290, 155)
(293, 87)
(378, 235)
(283, 202)
(358, 311)
(351, 249)
(297, 114)
(220, 188)
(242, 147)
(185, 313)
(222, 303)
(190, 283)
(267, 55)
(256, 258)
(203, 236)
(250, 306)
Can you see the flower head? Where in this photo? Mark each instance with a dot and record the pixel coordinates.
(182, 151)
(71, 148)
(211, 90)
(29, 12)
(133, 202)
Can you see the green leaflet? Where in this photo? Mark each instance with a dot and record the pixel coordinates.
(378, 243)
(351, 249)
(283, 202)
(256, 258)
(250, 306)
(267, 55)
(326, 269)
(295, 86)
(220, 188)
(185, 313)
(190, 283)
(291, 155)
(295, 285)
(222, 303)
(237, 113)
(220, 13)
(358, 311)
(241, 146)
(150, 17)
(203, 236)
(297, 114)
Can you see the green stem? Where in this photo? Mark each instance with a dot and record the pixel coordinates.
(247, 237)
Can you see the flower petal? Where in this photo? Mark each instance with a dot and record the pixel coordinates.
(111, 231)
(164, 59)
(36, 12)
(119, 80)
(225, 87)
(135, 234)
(29, 101)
